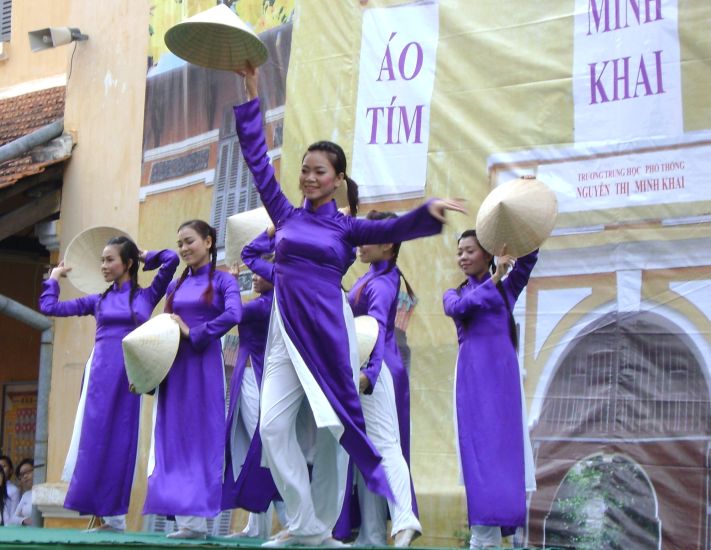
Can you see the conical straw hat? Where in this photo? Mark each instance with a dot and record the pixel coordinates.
(149, 352)
(366, 328)
(520, 213)
(83, 255)
(241, 230)
(217, 39)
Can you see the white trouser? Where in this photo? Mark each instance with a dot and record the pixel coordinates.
(311, 508)
(485, 536)
(193, 523)
(258, 525)
(117, 522)
(381, 425)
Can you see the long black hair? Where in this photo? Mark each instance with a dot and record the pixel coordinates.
(513, 332)
(128, 252)
(392, 263)
(205, 230)
(472, 233)
(338, 160)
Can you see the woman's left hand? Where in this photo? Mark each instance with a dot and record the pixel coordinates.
(438, 207)
(504, 262)
(184, 329)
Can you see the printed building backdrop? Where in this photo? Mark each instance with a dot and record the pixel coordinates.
(606, 101)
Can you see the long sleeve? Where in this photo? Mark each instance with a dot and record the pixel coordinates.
(252, 256)
(248, 120)
(519, 275)
(201, 335)
(168, 262)
(258, 309)
(459, 305)
(50, 305)
(23, 510)
(380, 295)
(416, 223)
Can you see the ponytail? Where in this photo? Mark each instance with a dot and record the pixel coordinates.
(338, 161)
(392, 262)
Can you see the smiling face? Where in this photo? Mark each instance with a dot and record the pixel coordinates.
(112, 267)
(370, 253)
(472, 259)
(193, 248)
(318, 180)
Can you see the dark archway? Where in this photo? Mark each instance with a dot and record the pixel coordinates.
(630, 386)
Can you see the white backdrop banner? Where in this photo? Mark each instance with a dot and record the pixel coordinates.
(626, 70)
(397, 69)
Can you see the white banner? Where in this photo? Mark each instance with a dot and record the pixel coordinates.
(397, 69)
(658, 177)
(626, 70)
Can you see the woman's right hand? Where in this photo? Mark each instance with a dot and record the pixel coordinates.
(251, 76)
(184, 328)
(60, 271)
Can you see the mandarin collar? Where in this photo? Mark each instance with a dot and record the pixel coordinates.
(201, 271)
(328, 209)
(476, 282)
(123, 287)
(379, 267)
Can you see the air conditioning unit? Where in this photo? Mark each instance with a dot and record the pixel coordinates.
(4, 50)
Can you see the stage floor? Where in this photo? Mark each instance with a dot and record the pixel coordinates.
(30, 537)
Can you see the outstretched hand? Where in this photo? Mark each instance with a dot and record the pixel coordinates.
(251, 76)
(438, 207)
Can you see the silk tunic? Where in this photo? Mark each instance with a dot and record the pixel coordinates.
(188, 455)
(314, 248)
(247, 484)
(106, 457)
(488, 400)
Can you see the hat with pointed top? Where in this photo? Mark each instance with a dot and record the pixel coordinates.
(520, 214)
(217, 39)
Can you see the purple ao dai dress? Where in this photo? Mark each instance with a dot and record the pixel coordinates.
(103, 474)
(247, 484)
(314, 247)
(188, 451)
(488, 400)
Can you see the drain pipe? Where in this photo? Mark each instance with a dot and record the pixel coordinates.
(24, 144)
(30, 317)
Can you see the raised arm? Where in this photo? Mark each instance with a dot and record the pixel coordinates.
(416, 223)
(248, 119)
(168, 262)
(519, 275)
(463, 304)
(204, 333)
(252, 256)
(49, 303)
(381, 294)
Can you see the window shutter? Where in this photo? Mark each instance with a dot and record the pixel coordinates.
(5, 20)
(234, 189)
